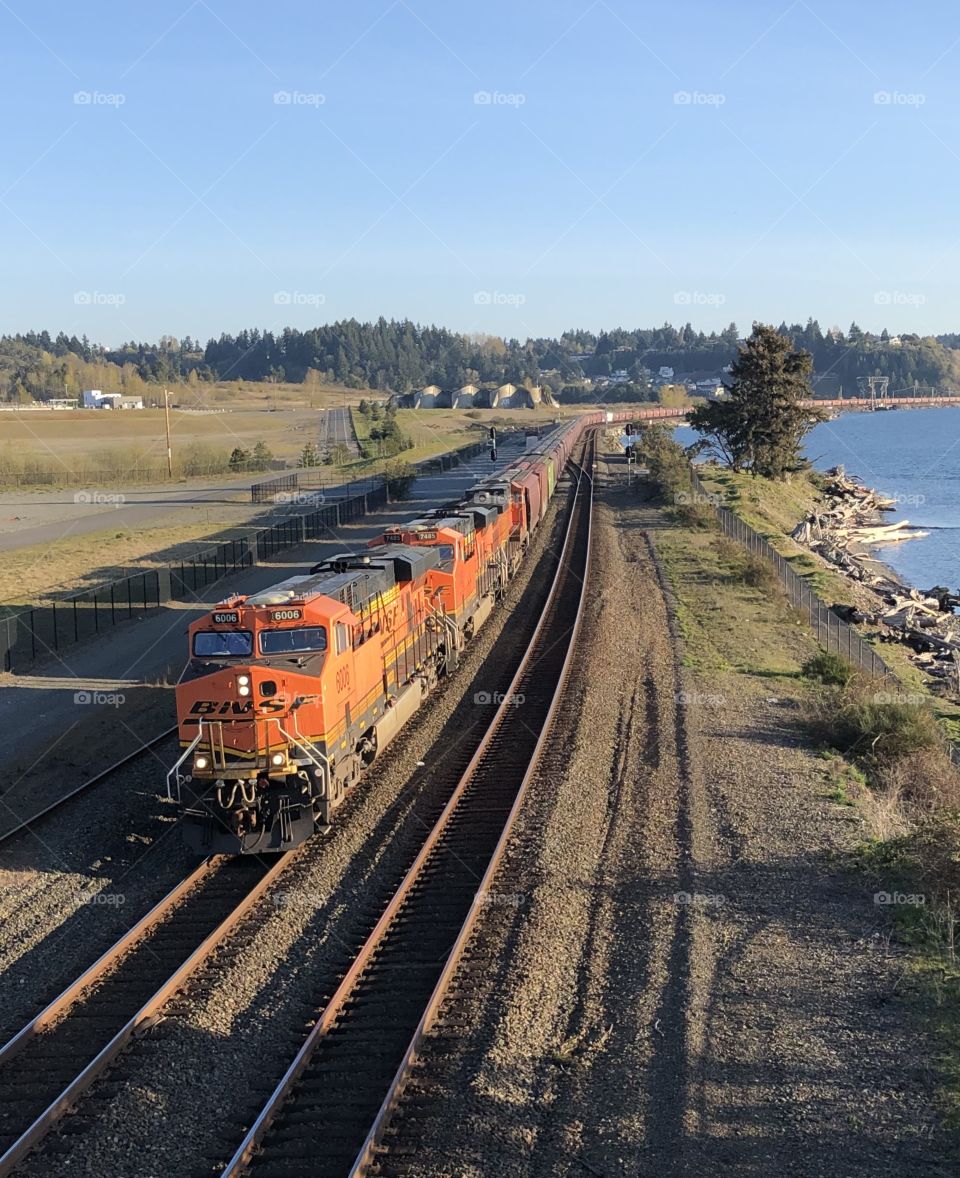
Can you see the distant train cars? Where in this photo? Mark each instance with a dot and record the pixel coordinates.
(290, 694)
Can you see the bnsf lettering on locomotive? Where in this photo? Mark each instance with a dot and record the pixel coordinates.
(287, 615)
(224, 619)
(217, 707)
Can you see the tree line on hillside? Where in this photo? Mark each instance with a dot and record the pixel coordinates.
(399, 356)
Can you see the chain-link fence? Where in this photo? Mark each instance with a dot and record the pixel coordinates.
(41, 630)
(832, 632)
(30, 633)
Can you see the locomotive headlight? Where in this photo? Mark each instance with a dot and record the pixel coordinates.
(243, 690)
(200, 762)
(278, 758)
(243, 680)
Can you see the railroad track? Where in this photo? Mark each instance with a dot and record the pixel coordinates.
(328, 1114)
(61, 1052)
(29, 823)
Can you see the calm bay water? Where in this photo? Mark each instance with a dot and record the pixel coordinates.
(912, 455)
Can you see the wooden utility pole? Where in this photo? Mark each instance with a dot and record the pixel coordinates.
(166, 417)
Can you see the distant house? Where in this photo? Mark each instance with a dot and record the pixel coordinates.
(666, 373)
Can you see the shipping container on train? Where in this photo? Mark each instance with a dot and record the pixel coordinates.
(291, 693)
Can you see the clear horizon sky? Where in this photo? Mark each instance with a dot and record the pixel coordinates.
(195, 166)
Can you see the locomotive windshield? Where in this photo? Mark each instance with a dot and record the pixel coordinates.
(218, 644)
(291, 641)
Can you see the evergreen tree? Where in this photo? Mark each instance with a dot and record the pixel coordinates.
(262, 456)
(761, 425)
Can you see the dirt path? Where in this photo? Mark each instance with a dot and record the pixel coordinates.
(678, 977)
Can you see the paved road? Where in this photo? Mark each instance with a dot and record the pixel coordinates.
(30, 519)
(336, 428)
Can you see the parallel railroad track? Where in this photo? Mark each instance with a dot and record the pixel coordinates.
(29, 823)
(58, 1055)
(329, 1113)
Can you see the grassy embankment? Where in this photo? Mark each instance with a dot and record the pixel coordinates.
(883, 751)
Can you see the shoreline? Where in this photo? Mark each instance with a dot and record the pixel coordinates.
(842, 532)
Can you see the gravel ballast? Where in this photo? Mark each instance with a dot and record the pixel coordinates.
(677, 976)
(177, 1102)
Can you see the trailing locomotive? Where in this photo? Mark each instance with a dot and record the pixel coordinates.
(291, 693)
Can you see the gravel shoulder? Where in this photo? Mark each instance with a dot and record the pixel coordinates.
(679, 975)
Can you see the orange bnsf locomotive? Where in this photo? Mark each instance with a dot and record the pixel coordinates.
(291, 693)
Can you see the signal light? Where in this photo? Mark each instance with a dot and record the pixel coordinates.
(493, 455)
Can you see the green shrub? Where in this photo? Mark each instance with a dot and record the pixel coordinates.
(758, 573)
(828, 668)
(876, 726)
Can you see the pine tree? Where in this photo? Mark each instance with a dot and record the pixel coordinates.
(262, 456)
(308, 456)
(761, 425)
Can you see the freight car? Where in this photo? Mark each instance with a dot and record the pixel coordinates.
(291, 693)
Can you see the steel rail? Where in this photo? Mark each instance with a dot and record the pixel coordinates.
(84, 786)
(367, 1151)
(143, 1017)
(259, 1130)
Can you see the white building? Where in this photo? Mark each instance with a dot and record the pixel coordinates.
(95, 399)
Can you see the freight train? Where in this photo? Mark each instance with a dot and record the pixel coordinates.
(291, 693)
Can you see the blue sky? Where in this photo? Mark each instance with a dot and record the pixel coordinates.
(198, 166)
